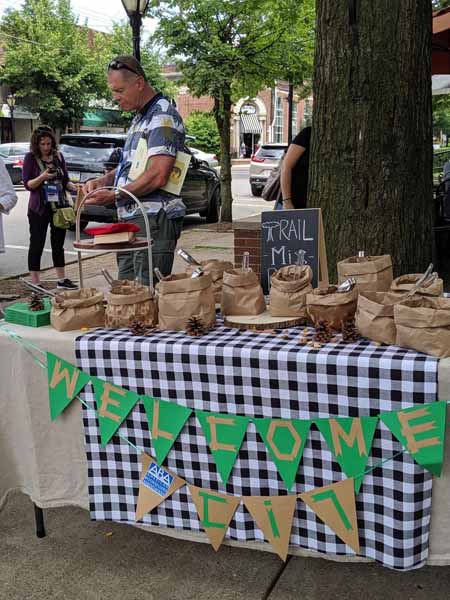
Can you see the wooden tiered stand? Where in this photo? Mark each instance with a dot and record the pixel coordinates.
(88, 246)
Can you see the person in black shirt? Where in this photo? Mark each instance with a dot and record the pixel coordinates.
(294, 171)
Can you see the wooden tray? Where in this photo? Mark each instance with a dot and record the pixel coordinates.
(262, 321)
(89, 246)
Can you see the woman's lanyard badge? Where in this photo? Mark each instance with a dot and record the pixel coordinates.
(52, 193)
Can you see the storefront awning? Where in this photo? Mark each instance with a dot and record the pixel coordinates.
(250, 124)
(102, 118)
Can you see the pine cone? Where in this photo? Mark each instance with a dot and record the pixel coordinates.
(323, 332)
(349, 331)
(196, 327)
(36, 303)
(138, 328)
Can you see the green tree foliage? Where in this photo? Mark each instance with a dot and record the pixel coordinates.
(441, 113)
(54, 67)
(437, 4)
(57, 68)
(203, 127)
(232, 48)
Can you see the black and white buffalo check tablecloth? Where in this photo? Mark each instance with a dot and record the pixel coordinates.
(264, 375)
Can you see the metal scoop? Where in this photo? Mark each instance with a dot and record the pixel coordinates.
(346, 285)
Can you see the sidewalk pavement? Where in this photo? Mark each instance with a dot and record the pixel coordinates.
(83, 560)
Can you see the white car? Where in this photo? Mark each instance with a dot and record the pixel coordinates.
(265, 159)
(209, 160)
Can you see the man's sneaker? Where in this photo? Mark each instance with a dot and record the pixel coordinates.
(66, 284)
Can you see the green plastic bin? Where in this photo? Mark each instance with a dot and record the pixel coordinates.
(20, 314)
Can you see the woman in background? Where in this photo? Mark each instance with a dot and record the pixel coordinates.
(294, 171)
(45, 176)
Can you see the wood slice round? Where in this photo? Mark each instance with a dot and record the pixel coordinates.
(88, 245)
(262, 321)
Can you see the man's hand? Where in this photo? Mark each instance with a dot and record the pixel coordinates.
(92, 185)
(101, 197)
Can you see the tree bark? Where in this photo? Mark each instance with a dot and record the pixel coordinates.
(222, 113)
(371, 152)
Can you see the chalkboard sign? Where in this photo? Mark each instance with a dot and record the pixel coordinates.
(286, 232)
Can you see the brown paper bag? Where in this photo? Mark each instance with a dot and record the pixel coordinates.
(76, 309)
(404, 283)
(242, 293)
(128, 302)
(215, 268)
(375, 316)
(326, 304)
(180, 297)
(423, 324)
(373, 274)
(288, 289)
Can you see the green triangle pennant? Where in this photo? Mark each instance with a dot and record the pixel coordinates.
(421, 431)
(224, 434)
(285, 440)
(64, 382)
(350, 439)
(113, 405)
(166, 420)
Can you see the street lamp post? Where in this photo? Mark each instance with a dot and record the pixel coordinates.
(11, 102)
(135, 10)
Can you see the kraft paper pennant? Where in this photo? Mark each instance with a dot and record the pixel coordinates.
(273, 515)
(285, 440)
(350, 440)
(215, 511)
(335, 505)
(421, 431)
(224, 434)
(64, 382)
(166, 420)
(113, 405)
(157, 484)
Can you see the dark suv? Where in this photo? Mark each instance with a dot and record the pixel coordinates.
(89, 155)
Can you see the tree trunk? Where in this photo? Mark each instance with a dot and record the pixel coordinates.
(371, 153)
(222, 113)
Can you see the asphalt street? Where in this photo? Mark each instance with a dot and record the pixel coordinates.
(14, 262)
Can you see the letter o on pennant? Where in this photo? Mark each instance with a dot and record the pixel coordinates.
(296, 438)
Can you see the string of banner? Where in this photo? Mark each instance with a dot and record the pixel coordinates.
(421, 431)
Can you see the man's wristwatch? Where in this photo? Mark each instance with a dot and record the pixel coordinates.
(117, 195)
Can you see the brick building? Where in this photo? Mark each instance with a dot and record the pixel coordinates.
(254, 120)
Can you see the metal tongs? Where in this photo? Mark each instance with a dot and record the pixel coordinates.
(426, 280)
(109, 278)
(346, 286)
(37, 288)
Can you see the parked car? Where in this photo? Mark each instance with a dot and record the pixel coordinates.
(266, 158)
(210, 160)
(89, 155)
(13, 155)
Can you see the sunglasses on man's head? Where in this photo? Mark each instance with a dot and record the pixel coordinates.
(117, 65)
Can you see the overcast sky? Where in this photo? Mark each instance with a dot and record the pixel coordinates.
(100, 14)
